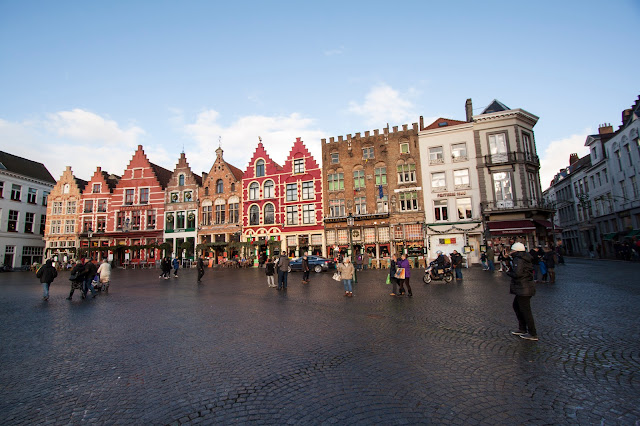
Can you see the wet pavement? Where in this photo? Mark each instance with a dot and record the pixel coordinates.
(232, 350)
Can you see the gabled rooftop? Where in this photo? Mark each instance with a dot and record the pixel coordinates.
(444, 122)
(495, 106)
(24, 167)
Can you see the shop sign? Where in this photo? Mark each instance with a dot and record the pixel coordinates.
(451, 194)
(445, 241)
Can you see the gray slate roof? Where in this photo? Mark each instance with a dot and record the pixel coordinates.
(24, 167)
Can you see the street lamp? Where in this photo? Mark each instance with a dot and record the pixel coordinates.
(90, 234)
(350, 226)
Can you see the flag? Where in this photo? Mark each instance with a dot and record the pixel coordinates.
(380, 192)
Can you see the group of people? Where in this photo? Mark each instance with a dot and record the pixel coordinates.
(82, 277)
(166, 265)
(280, 266)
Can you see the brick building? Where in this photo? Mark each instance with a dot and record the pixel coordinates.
(376, 178)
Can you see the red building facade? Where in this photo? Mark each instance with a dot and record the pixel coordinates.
(94, 212)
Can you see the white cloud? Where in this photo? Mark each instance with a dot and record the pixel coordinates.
(240, 138)
(85, 126)
(334, 52)
(556, 155)
(383, 104)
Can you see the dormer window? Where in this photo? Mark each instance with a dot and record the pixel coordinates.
(260, 168)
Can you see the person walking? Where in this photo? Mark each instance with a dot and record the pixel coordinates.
(359, 262)
(104, 271)
(200, 267)
(523, 288)
(491, 257)
(549, 258)
(305, 269)
(90, 270)
(283, 271)
(404, 263)
(165, 268)
(365, 260)
(483, 259)
(47, 273)
(536, 257)
(176, 264)
(392, 274)
(456, 262)
(346, 273)
(270, 269)
(77, 279)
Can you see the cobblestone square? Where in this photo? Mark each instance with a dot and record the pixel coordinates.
(233, 351)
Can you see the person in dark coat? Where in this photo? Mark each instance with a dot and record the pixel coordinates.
(404, 263)
(549, 259)
(456, 262)
(270, 267)
(47, 273)
(305, 269)
(392, 274)
(200, 267)
(536, 257)
(77, 283)
(90, 270)
(283, 271)
(523, 287)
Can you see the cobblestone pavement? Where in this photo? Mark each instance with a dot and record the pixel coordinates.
(234, 351)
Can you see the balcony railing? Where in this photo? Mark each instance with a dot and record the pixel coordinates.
(516, 205)
(511, 157)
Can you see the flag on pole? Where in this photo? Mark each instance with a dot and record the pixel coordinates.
(380, 192)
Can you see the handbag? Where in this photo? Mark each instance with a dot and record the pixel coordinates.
(337, 276)
(388, 279)
(399, 273)
(73, 277)
(543, 268)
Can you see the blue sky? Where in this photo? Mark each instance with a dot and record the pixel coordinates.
(83, 83)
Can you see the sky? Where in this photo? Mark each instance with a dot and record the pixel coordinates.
(84, 83)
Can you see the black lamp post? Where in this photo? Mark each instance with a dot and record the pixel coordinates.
(350, 228)
(90, 234)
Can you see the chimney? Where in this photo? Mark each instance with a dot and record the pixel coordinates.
(625, 115)
(421, 123)
(468, 108)
(573, 158)
(605, 129)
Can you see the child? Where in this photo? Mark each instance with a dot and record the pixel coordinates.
(270, 267)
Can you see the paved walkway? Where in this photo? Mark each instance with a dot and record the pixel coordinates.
(234, 351)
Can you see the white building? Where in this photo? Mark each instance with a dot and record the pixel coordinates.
(24, 188)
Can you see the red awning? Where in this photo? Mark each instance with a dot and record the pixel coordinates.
(512, 227)
(549, 226)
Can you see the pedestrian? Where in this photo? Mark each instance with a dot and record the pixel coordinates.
(536, 257)
(550, 262)
(359, 262)
(365, 260)
(176, 265)
(490, 259)
(456, 262)
(592, 252)
(200, 267)
(165, 267)
(404, 263)
(104, 271)
(392, 274)
(270, 269)
(47, 273)
(305, 269)
(91, 271)
(283, 271)
(523, 288)
(346, 273)
(483, 259)
(77, 279)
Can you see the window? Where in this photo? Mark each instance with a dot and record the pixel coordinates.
(533, 193)
(170, 222)
(120, 220)
(15, 192)
(618, 159)
(292, 215)
(382, 204)
(254, 215)
(606, 178)
(135, 219)
(404, 148)
(180, 220)
(360, 205)
(440, 210)
(187, 196)
(69, 226)
(367, 153)
(57, 207)
(65, 188)
(336, 208)
(86, 225)
(335, 158)
(464, 208)
(71, 207)
(406, 173)
(358, 179)
(502, 188)
(206, 215)
(56, 227)
(128, 197)
(88, 206)
(593, 182)
(206, 191)
(438, 181)
(408, 201)
(308, 191)
(336, 181)
(191, 219)
(623, 189)
(527, 146)
(33, 194)
(174, 197)
(298, 165)
(102, 206)
(260, 168)
(308, 214)
(461, 178)
(498, 147)
(269, 214)
(254, 190)
(101, 224)
(234, 212)
(45, 197)
(181, 180)
(232, 187)
(268, 189)
(459, 152)
(12, 224)
(628, 150)
(1, 189)
(381, 175)
(220, 213)
(219, 186)
(96, 188)
(436, 155)
(144, 195)
(292, 192)
(634, 187)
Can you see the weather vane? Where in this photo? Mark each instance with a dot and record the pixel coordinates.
(219, 141)
(260, 139)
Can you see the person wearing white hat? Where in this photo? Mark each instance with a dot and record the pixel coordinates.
(523, 287)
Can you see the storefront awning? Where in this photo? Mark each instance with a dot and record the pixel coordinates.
(632, 233)
(610, 236)
(549, 226)
(499, 227)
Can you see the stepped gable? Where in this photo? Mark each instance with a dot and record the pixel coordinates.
(444, 122)
(183, 167)
(139, 157)
(82, 184)
(110, 179)
(25, 167)
(271, 167)
(299, 150)
(163, 175)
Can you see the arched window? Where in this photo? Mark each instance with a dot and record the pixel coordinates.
(219, 186)
(233, 187)
(268, 189)
(254, 190)
(254, 215)
(260, 168)
(269, 214)
(181, 180)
